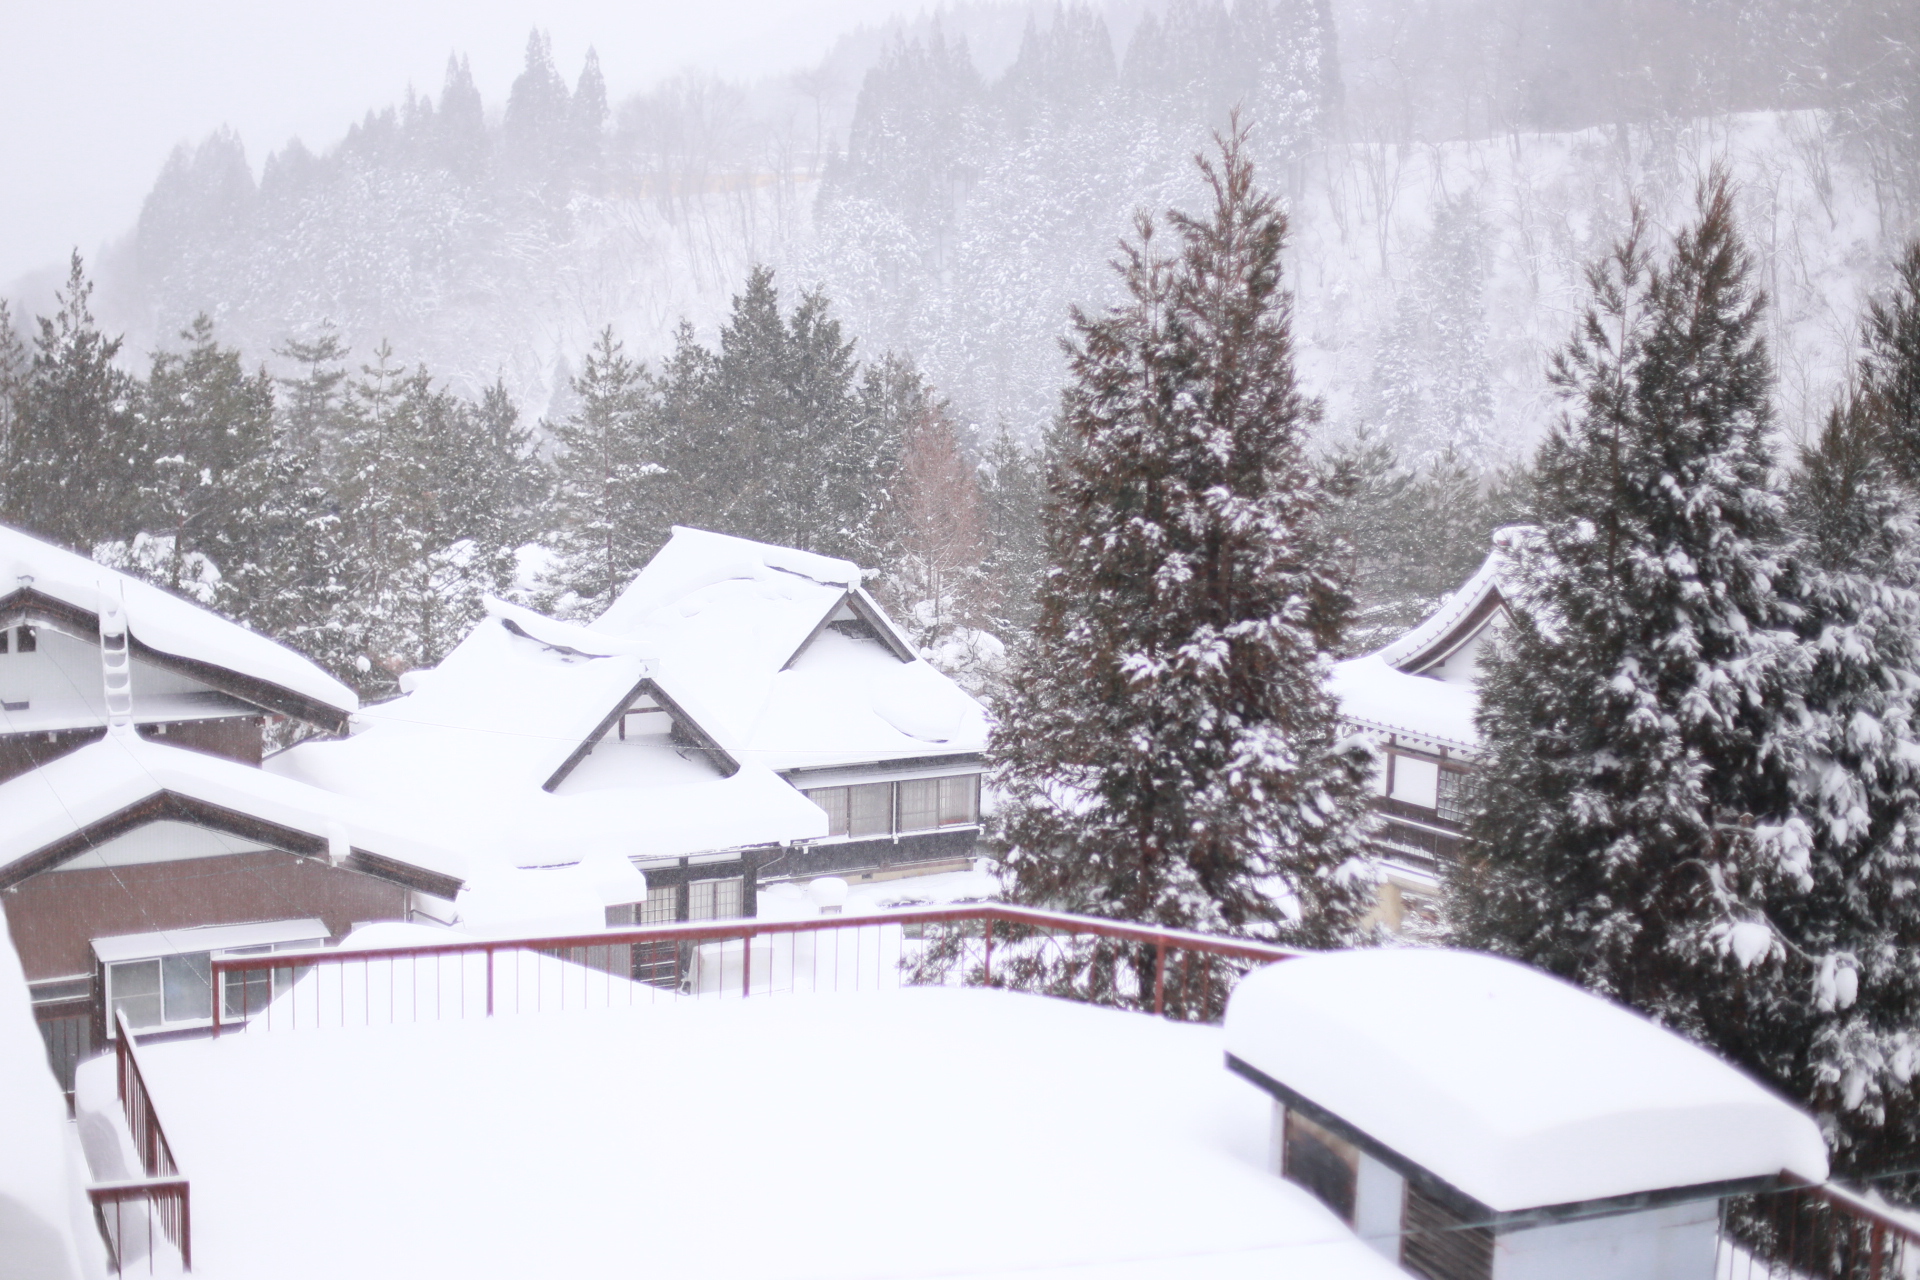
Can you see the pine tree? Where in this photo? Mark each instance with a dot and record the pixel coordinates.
(202, 422)
(1012, 492)
(1637, 721)
(72, 466)
(14, 363)
(311, 403)
(608, 481)
(1169, 750)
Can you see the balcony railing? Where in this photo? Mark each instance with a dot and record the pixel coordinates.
(1808, 1232)
(1170, 971)
(128, 1212)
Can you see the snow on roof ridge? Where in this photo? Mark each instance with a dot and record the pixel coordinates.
(163, 621)
(1462, 602)
(567, 636)
(827, 570)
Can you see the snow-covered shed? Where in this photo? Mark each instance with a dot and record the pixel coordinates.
(127, 862)
(200, 680)
(1475, 1119)
(798, 670)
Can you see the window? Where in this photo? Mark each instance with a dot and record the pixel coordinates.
(26, 640)
(884, 808)
(870, 809)
(713, 900)
(1455, 794)
(1322, 1163)
(662, 905)
(178, 989)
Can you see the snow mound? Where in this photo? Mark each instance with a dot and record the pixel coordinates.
(919, 702)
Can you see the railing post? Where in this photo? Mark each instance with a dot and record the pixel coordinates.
(746, 963)
(186, 1227)
(1160, 978)
(988, 970)
(489, 982)
(1879, 1250)
(215, 979)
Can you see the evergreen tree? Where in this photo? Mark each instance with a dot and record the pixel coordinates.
(1169, 751)
(311, 403)
(14, 364)
(1637, 720)
(1829, 992)
(1890, 366)
(71, 464)
(1012, 492)
(202, 421)
(608, 481)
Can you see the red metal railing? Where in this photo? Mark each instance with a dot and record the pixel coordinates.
(1171, 971)
(162, 1195)
(1814, 1232)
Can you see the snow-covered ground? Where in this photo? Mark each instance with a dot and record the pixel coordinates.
(923, 1132)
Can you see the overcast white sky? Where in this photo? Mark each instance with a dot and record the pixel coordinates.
(95, 93)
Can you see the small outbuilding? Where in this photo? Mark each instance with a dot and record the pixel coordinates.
(1475, 1119)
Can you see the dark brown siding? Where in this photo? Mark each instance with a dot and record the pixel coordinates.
(54, 916)
(20, 752)
(236, 739)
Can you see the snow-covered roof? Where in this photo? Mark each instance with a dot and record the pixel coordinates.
(793, 665)
(1518, 1089)
(490, 747)
(1429, 712)
(57, 811)
(1463, 613)
(37, 575)
(975, 1077)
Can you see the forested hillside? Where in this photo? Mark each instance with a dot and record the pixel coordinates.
(1450, 167)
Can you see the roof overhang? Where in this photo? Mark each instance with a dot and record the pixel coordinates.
(36, 608)
(164, 805)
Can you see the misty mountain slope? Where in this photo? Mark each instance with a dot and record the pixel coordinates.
(958, 216)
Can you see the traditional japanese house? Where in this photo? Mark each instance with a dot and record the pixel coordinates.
(1475, 1119)
(1415, 700)
(798, 671)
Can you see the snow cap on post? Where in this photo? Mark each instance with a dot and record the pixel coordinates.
(1517, 1089)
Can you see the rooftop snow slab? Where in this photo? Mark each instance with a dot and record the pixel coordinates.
(911, 1133)
(1436, 713)
(1518, 1089)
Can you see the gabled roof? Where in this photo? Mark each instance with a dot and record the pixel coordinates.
(1459, 618)
(794, 666)
(110, 787)
(513, 749)
(43, 583)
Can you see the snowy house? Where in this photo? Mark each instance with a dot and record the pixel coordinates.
(1474, 1119)
(741, 712)
(127, 863)
(800, 672)
(1415, 700)
(203, 682)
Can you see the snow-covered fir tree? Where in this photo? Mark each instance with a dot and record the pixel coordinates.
(609, 480)
(1169, 751)
(1638, 718)
(1827, 1002)
(1890, 365)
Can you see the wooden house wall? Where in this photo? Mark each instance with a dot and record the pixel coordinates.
(53, 917)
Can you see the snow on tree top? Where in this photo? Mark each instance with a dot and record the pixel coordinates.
(162, 621)
(1520, 1090)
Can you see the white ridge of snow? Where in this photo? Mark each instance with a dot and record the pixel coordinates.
(1519, 1089)
(164, 622)
(46, 1230)
(695, 558)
